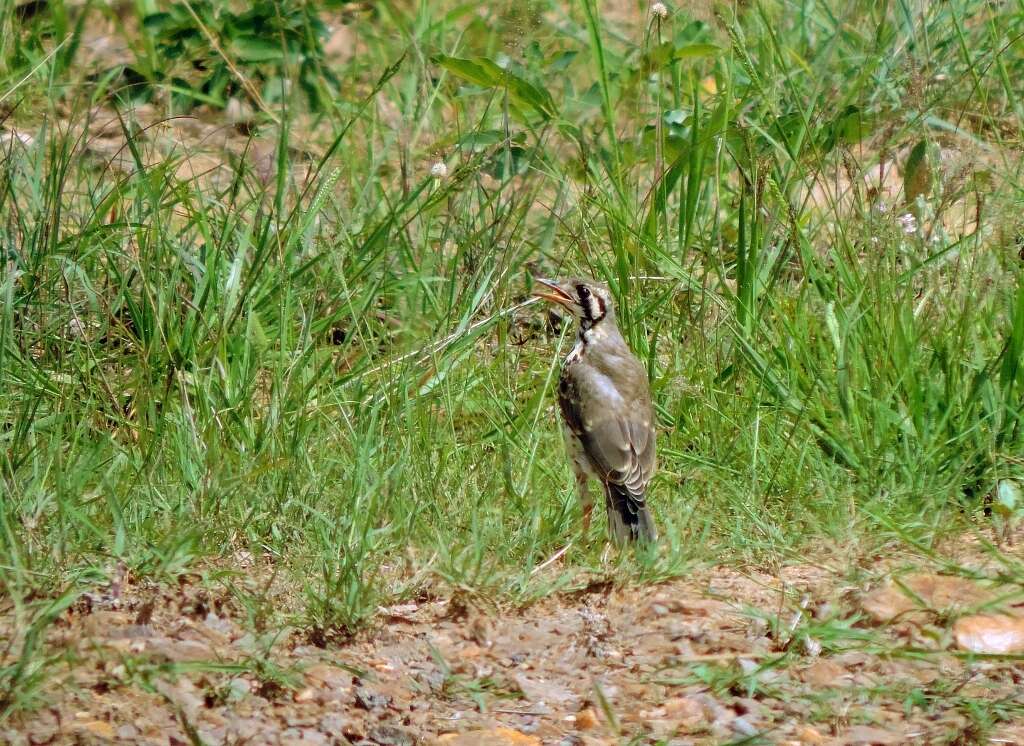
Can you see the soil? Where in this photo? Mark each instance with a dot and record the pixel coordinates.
(879, 653)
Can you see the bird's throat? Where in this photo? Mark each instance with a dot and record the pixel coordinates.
(586, 336)
(576, 353)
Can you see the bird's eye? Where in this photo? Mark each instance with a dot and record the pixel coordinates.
(584, 292)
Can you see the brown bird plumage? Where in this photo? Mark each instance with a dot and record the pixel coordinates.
(606, 410)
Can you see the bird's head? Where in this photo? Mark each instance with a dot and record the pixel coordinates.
(587, 300)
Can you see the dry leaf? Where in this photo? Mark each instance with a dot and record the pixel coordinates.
(990, 633)
(489, 737)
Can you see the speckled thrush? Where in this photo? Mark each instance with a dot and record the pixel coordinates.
(606, 408)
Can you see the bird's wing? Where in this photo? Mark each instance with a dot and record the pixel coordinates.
(622, 448)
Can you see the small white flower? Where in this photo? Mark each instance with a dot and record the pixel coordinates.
(908, 223)
(881, 208)
(439, 170)
(660, 10)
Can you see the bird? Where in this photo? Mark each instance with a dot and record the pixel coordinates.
(607, 413)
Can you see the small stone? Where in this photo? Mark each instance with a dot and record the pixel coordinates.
(181, 651)
(370, 700)
(335, 724)
(238, 688)
(219, 625)
(685, 710)
(244, 729)
(866, 735)
(540, 691)
(315, 737)
(127, 732)
(13, 737)
(748, 666)
(744, 727)
(246, 642)
(392, 735)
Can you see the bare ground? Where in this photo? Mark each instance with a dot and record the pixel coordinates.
(877, 652)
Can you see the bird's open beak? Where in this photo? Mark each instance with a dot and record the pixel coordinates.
(557, 295)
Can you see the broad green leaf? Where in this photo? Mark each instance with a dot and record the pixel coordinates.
(468, 70)
(561, 61)
(917, 174)
(487, 74)
(694, 51)
(248, 48)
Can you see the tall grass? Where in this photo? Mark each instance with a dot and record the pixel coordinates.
(332, 370)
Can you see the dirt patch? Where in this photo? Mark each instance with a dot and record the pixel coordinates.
(802, 655)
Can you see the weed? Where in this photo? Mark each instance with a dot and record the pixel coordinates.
(303, 345)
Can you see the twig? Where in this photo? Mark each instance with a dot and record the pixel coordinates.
(553, 558)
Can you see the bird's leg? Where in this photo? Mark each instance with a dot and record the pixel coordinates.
(585, 500)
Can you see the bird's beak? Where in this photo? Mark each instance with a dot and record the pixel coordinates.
(557, 295)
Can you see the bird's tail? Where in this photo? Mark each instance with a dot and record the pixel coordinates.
(629, 520)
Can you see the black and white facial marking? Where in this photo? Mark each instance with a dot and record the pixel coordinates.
(592, 305)
(592, 310)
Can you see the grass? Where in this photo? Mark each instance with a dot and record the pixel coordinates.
(325, 362)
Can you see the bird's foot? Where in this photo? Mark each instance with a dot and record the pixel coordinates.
(588, 511)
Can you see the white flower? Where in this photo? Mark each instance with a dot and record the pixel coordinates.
(660, 10)
(439, 170)
(908, 223)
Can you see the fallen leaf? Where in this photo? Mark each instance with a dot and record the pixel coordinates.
(934, 591)
(329, 676)
(687, 711)
(392, 735)
(100, 728)
(866, 735)
(990, 633)
(586, 719)
(489, 737)
(809, 734)
(539, 690)
(826, 674)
